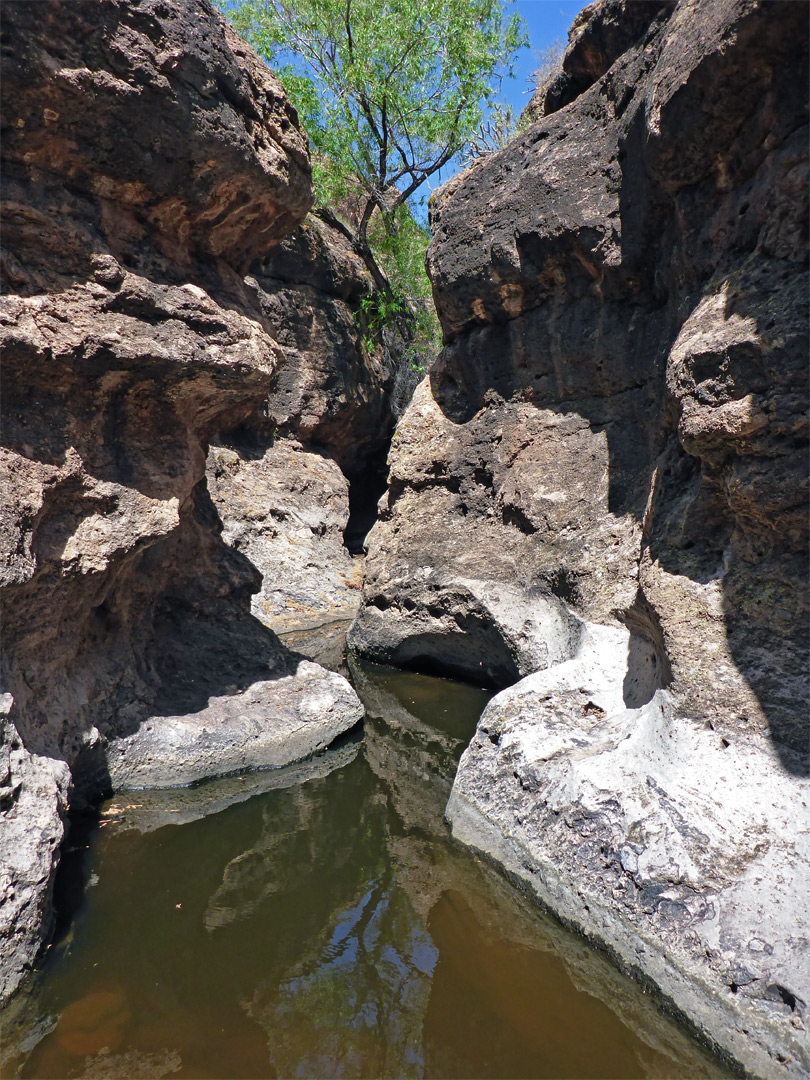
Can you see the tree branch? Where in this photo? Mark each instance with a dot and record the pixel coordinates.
(349, 40)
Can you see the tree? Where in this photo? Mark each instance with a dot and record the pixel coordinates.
(390, 91)
(494, 133)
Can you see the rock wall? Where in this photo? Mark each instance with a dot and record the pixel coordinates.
(300, 479)
(601, 490)
(149, 161)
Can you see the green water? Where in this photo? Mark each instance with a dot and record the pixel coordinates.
(320, 922)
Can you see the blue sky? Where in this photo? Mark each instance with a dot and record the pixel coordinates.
(546, 20)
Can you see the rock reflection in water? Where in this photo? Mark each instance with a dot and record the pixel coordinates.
(321, 922)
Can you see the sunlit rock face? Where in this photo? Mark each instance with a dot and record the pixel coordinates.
(287, 510)
(299, 479)
(149, 158)
(603, 482)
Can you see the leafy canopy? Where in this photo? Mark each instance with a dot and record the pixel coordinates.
(389, 90)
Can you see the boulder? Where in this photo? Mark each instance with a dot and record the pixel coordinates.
(672, 847)
(287, 512)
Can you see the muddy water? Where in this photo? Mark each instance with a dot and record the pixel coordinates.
(319, 922)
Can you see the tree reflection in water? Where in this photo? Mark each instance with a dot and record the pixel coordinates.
(328, 926)
(358, 1010)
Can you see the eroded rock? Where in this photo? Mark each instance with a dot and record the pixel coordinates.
(33, 795)
(287, 512)
(333, 393)
(160, 119)
(148, 158)
(296, 484)
(645, 833)
(616, 431)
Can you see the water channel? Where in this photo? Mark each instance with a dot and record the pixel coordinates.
(320, 922)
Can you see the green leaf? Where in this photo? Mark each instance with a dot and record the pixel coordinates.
(389, 91)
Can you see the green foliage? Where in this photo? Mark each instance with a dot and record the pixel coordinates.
(389, 92)
(401, 254)
(376, 313)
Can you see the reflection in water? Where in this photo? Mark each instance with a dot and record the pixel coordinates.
(324, 924)
(358, 1009)
(503, 979)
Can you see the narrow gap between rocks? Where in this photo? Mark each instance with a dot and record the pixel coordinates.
(367, 485)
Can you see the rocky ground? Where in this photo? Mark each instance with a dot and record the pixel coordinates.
(601, 491)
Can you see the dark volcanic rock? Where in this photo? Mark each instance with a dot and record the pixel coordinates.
(158, 113)
(333, 391)
(621, 400)
(604, 481)
(148, 156)
(597, 38)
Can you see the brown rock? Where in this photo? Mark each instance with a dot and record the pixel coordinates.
(287, 511)
(333, 393)
(148, 157)
(620, 402)
(614, 440)
(296, 484)
(99, 94)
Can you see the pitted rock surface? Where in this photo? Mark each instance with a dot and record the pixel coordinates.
(286, 510)
(158, 114)
(148, 158)
(616, 432)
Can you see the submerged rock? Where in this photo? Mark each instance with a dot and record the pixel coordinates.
(602, 486)
(152, 808)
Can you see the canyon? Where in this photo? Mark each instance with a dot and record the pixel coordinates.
(595, 502)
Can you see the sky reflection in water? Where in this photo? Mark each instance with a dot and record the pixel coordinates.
(329, 928)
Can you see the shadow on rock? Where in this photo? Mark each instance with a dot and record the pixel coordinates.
(662, 305)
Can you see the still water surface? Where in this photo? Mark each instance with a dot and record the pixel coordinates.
(320, 922)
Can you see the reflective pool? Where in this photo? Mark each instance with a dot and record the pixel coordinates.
(320, 922)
